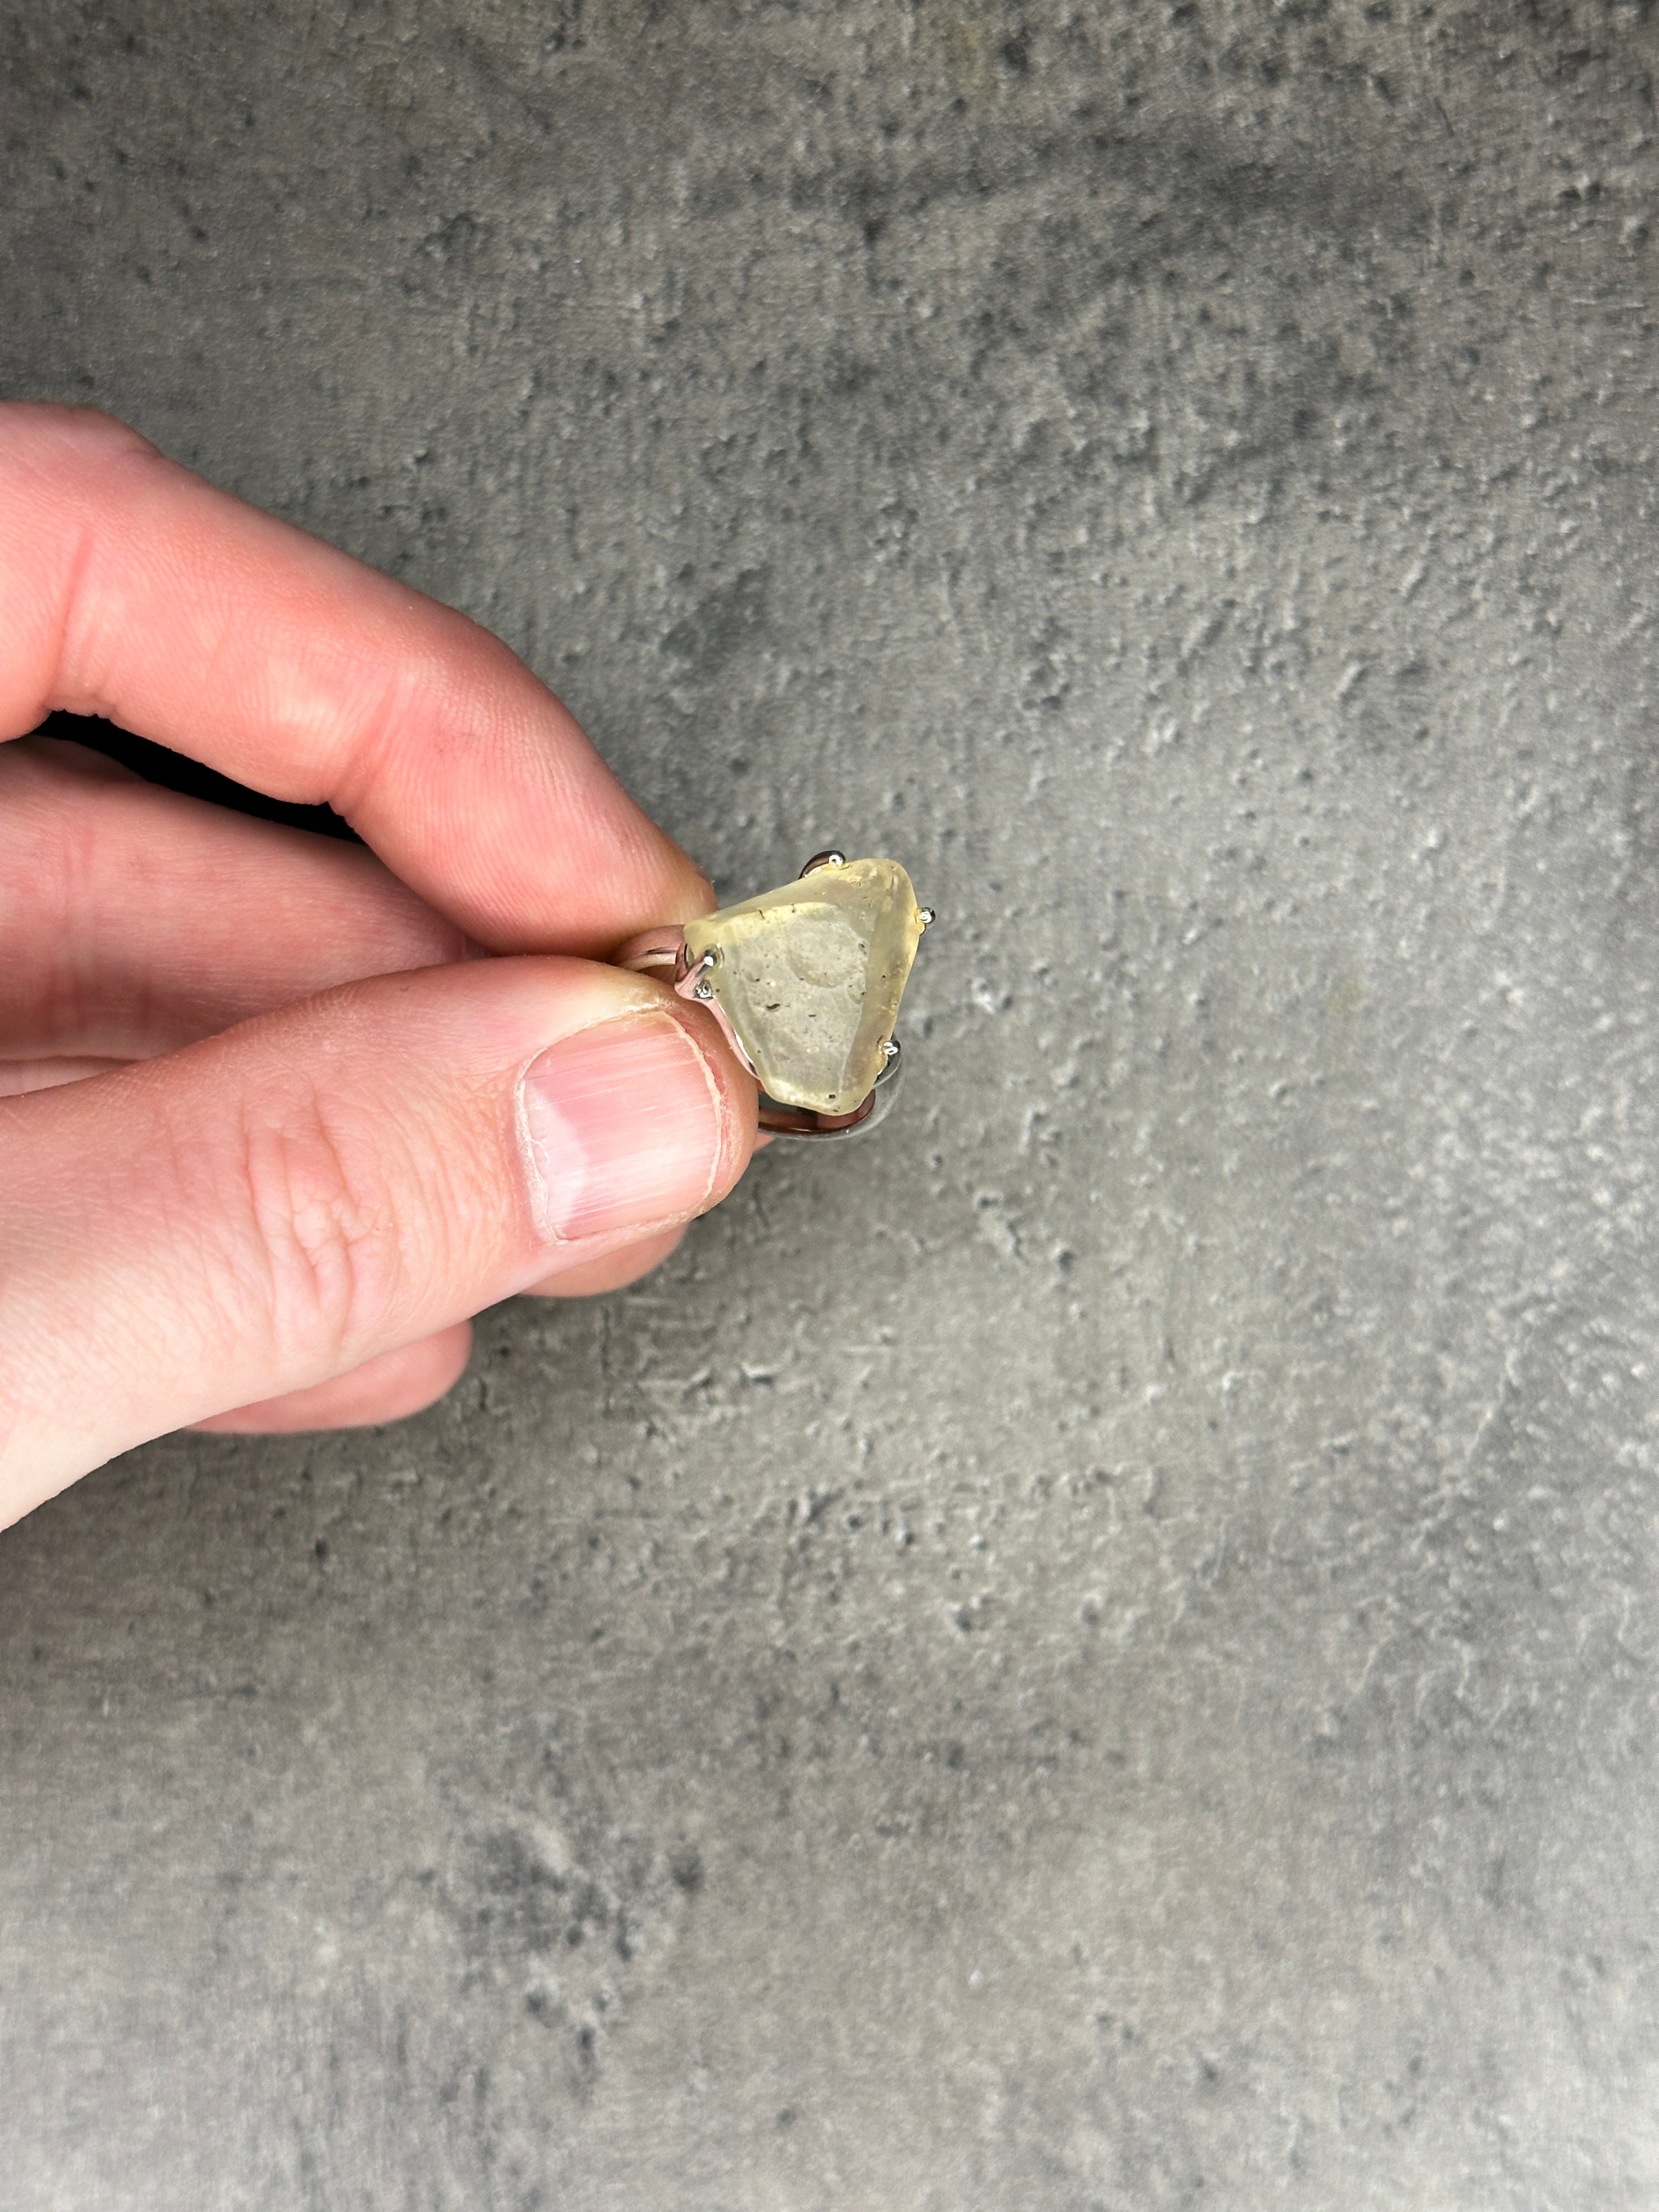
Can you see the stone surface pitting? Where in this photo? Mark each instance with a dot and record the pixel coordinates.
(811, 976)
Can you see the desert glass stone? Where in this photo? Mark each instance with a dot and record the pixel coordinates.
(811, 976)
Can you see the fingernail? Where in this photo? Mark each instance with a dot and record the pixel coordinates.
(625, 1125)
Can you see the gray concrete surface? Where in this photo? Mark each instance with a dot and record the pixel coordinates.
(1098, 1653)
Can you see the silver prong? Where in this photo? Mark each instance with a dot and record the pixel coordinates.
(889, 1050)
(691, 982)
(832, 858)
(928, 917)
(695, 982)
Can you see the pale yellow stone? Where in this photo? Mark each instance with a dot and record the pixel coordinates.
(809, 978)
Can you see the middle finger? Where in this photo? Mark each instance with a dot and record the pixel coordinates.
(133, 920)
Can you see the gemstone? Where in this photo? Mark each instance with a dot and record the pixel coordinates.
(809, 978)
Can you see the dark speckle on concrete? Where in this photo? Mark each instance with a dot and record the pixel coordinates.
(1096, 1652)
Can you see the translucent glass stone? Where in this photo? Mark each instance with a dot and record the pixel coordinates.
(811, 976)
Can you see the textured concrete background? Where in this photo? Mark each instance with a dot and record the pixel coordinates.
(1098, 1652)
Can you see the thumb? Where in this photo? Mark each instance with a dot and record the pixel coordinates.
(278, 1205)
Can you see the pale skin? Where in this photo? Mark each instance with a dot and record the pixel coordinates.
(277, 1115)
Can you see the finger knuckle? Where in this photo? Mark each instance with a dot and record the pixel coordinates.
(327, 1230)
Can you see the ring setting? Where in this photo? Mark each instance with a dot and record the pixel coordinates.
(806, 982)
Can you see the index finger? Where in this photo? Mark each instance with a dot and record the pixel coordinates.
(134, 590)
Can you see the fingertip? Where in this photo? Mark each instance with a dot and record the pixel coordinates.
(695, 893)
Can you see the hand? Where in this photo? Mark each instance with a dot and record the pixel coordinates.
(277, 1123)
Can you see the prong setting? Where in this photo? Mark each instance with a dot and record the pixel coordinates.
(691, 982)
(700, 987)
(665, 951)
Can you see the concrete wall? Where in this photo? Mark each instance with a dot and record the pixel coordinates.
(1096, 1652)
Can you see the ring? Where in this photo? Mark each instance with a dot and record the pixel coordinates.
(806, 982)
